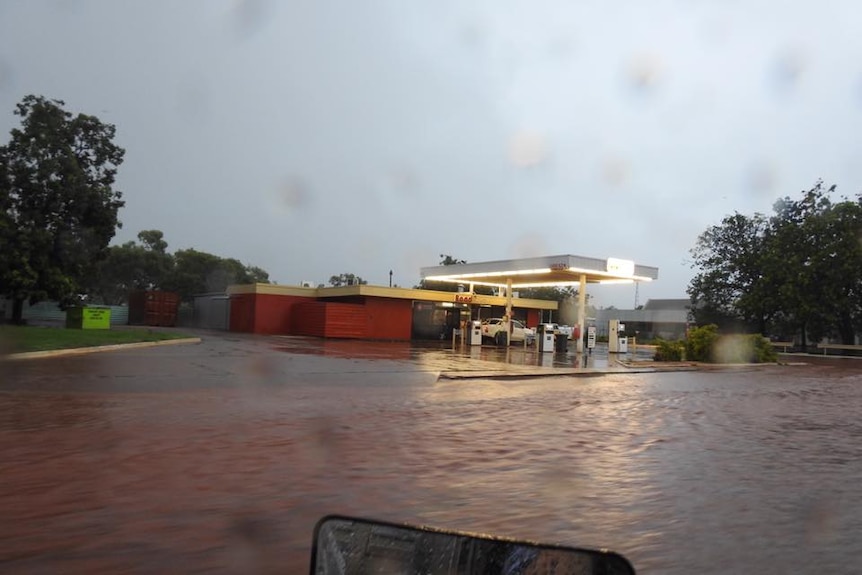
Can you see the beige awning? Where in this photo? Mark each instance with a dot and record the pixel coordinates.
(543, 271)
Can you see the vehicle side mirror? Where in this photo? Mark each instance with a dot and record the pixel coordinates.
(355, 546)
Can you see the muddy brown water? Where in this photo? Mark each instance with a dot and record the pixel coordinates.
(220, 457)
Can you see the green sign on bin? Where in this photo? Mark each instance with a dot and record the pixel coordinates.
(88, 318)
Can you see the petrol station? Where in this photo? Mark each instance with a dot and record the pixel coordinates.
(546, 271)
(406, 314)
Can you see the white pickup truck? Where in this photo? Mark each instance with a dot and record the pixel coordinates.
(520, 332)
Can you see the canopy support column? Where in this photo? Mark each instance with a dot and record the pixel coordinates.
(508, 326)
(582, 311)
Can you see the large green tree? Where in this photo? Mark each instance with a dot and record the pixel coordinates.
(147, 265)
(59, 204)
(197, 272)
(798, 272)
(820, 274)
(132, 266)
(731, 289)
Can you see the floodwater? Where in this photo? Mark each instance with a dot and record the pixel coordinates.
(220, 457)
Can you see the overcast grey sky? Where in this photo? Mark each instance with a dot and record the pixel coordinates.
(318, 137)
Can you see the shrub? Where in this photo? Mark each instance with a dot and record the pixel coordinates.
(738, 348)
(763, 350)
(700, 344)
(669, 350)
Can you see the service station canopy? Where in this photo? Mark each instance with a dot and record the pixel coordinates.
(542, 271)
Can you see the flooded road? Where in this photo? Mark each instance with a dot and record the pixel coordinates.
(220, 457)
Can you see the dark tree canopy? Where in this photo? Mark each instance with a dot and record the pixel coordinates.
(195, 272)
(130, 267)
(59, 205)
(798, 272)
(147, 265)
(346, 279)
(447, 260)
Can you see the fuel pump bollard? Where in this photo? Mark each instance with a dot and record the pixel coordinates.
(475, 332)
(545, 336)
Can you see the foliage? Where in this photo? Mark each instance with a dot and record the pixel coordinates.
(195, 272)
(730, 290)
(346, 280)
(669, 350)
(743, 348)
(763, 350)
(59, 206)
(706, 345)
(700, 343)
(447, 260)
(147, 265)
(131, 267)
(797, 272)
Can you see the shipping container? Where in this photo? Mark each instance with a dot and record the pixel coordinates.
(155, 308)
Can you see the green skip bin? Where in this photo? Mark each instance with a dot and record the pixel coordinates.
(88, 318)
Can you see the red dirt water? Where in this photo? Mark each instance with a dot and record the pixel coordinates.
(220, 457)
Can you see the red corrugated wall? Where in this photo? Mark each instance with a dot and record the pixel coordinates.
(263, 313)
(346, 320)
(272, 313)
(242, 312)
(390, 319)
(309, 318)
(330, 319)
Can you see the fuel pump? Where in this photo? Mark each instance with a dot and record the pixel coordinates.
(617, 341)
(475, 332)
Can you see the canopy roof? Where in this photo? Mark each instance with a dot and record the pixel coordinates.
(543, 271)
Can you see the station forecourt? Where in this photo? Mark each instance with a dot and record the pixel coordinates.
(544, 271)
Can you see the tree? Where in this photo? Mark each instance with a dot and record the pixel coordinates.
(822, 271)
(153, 240)
(447, 260)
(798, 271)
(59, 206)
(840, 267)
(346, 280)
(197, 272)
(731, 288)
(256, 275)
(131, 267)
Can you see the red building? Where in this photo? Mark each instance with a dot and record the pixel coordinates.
(366, 312)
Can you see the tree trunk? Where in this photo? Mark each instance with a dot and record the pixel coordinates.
(18, 311)
(845, 328)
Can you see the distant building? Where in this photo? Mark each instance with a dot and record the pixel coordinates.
(664, 318)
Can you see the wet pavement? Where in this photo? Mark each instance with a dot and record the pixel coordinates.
(219, 457)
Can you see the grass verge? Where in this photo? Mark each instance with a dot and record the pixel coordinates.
(20, 339)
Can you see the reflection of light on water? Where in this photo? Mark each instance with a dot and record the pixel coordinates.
(523, 447)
